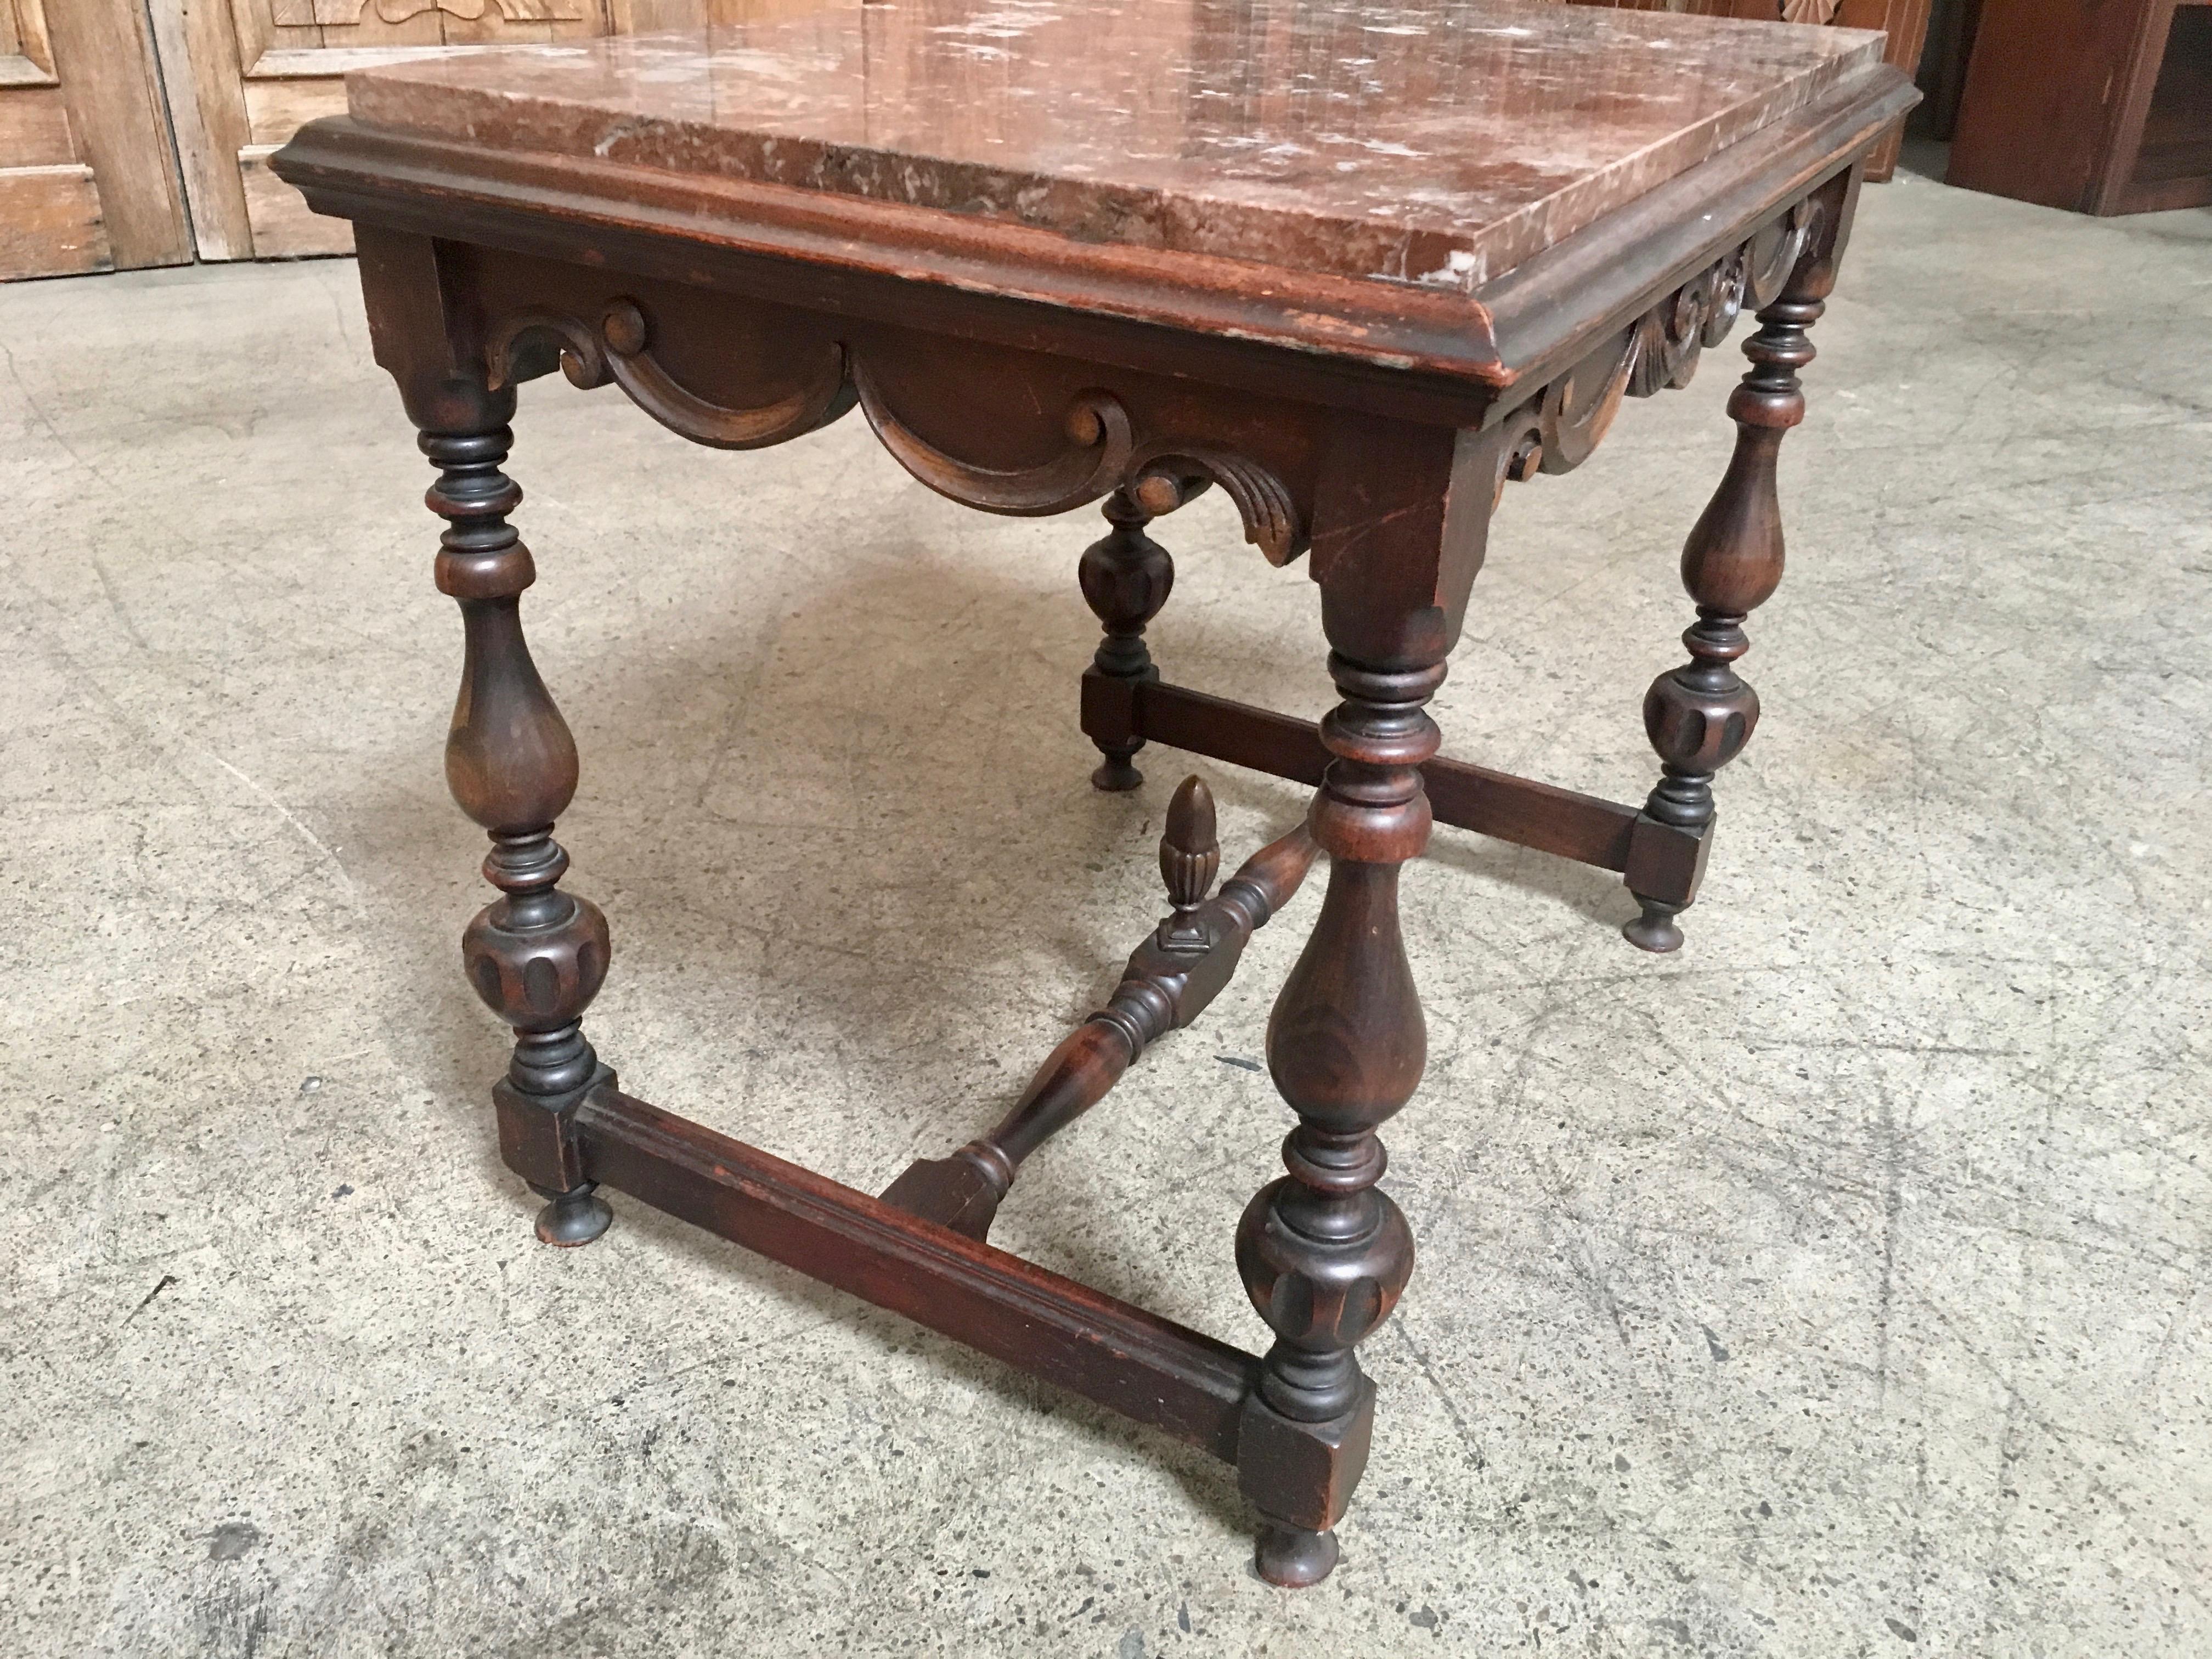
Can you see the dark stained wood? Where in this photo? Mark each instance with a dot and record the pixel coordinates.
(1700, 715)
(1559, 429)
(1466, 796)
(1143, 1366)
(1169, 981)
(1366, 426)
(536, 955)
(1126, 577)
(1400, 530)
(2101, 107)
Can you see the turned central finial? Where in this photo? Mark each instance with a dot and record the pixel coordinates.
(1190, 852)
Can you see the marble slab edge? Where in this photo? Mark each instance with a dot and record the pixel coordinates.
(1547, 311)
(1185, 218)
(692, 228)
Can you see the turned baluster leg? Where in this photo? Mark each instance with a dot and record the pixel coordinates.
(1700, 715)
(1323, 1254)
(535, 954)
(1126, 576)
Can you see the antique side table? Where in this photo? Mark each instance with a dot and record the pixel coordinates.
(1360, 265)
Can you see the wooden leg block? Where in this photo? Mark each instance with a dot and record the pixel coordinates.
(536, 1132)
(1302, 1474)
(1665, 861)
(956, 1192)
(1109, 710)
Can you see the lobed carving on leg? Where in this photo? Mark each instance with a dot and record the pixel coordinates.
(1699, 716)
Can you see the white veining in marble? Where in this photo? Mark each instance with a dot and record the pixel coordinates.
(1437, 142)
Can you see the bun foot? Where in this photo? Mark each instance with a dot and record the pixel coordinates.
(1115, 774)
(573, 1218)
(1292, 1558)
(1654, 930)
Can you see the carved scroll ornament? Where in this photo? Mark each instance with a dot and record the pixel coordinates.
(620, 350)
(1263, 502)
(1099, 444)
(1563, 423)
(1100, 452)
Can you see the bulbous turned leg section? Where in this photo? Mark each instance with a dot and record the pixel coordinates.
(1126, 577)
(1324, 1257)
(1699, 716)
(536, 955)
(1324, 1254)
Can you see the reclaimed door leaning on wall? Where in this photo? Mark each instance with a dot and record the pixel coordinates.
(259, 68)
(88, 176)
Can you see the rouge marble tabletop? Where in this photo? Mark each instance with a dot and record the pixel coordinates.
(1430, 142)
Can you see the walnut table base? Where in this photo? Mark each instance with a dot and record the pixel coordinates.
(1357, 266)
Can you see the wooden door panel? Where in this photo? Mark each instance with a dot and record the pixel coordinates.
(88, 176)
(34, 129)
(50, 223)
(49, 210)
(292, 54)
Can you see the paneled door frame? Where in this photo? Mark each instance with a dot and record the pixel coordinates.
(248, 72)
(87, 173)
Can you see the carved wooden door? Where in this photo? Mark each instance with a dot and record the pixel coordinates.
(88, 177)
(259, 68)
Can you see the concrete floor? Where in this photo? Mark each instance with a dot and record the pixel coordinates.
(1832, 1288)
